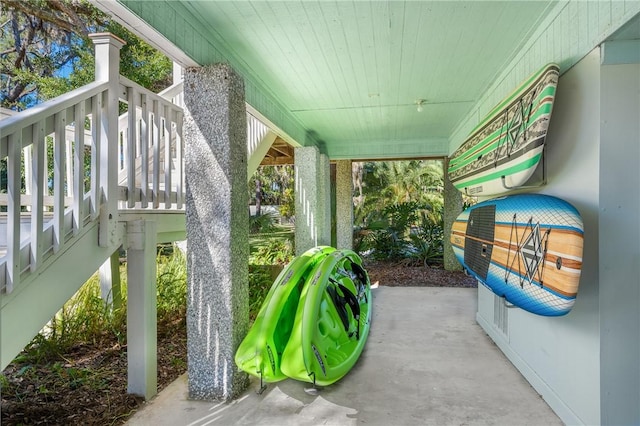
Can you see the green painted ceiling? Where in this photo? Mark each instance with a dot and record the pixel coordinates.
(350, 72)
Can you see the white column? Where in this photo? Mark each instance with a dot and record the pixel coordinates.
(109, 275)
(618, 239)
(142, 345)
(107, 68)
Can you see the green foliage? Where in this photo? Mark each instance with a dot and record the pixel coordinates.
(388, 234)
(273, 252)
(400, 216)
(287, 207)
(86, 318)
(427, 243)
(46, 51)
(276, 182)
(261, 223)
(259, 284)
(171, 286)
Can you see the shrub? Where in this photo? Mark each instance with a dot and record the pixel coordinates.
(261, 223)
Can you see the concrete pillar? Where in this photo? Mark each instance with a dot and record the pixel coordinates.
(217, 230)
(142, 328)
(452, 208)
(344, 205)
(324, 205)
(313, 204)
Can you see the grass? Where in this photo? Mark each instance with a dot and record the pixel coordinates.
(83, 349)
(274, 247)
(87, 319)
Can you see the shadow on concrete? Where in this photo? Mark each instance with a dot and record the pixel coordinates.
(426, 362)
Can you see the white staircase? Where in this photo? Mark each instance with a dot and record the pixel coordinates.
(57, 229)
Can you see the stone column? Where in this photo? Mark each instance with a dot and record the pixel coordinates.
(452, 208)
(344, 205)
(217, 230)
(311, 199)
(324, 201)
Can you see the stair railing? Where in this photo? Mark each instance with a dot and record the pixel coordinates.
(65, 156)
(68, 200)
(150, 148)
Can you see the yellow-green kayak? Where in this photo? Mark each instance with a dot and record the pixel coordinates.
(260, 353)
(332, 321)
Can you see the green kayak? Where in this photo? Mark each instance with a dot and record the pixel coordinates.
(260, 353)
(332, 321)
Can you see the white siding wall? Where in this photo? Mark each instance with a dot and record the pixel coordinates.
(561, 356)
(619, 222)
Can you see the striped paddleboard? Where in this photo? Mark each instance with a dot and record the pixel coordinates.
(503, 151)
(526, 248)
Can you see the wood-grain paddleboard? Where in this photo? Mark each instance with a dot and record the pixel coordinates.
(503, 151)
(526, 248)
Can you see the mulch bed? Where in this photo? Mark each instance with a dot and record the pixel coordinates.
(403, 275)
(88, 386)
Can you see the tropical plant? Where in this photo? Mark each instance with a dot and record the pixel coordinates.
(275, 251)
(400, 214)
(259, 284)
(426, 244)
(261, 223)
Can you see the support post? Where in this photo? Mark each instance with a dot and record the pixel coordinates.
(109, 275)
(107, 68)
(217, 230)
(452, 208)
(141, 309)
(324, 204)
(344, 205)
(312, 196)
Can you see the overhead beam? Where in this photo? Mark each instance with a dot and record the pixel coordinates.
(384, 149)
(277, 161)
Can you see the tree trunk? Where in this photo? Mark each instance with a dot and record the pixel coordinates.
(258, 197)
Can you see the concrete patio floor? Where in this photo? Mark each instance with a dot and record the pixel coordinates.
(426, 362)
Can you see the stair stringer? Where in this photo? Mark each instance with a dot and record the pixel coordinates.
(25, 311)
(258, 153)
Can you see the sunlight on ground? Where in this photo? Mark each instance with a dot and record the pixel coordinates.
(276, 407)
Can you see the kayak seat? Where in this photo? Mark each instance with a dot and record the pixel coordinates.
(340, 301)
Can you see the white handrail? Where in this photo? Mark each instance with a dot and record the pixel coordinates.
(150, 147)
(61, 193)
(33, 115)
(60, 204)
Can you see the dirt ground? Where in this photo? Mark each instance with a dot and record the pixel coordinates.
(401, 275)
(88, 386)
